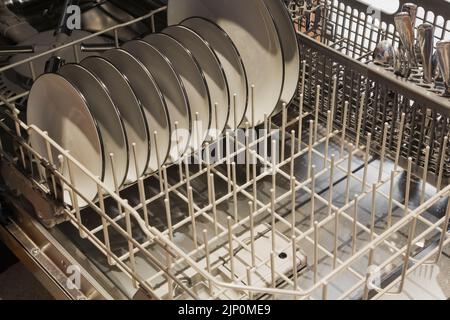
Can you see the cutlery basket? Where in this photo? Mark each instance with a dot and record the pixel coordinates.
(355, 27)
(348, 32)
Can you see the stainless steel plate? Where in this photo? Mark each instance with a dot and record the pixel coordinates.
(214, 74)
(251, 27)
(289, 44)
(171, 87)
(149, 94)
(193, 81)
(71, 125)
(231, 62)
(109, 120)
(130, 109)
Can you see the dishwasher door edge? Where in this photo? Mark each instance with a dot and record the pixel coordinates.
(60, 272)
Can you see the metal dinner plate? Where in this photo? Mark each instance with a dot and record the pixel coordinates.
(71, 125)
(171, 87)
(109, 120)
(289, 44)
(193, 81)
(250, 26)
(149, 94)
(231, 62)
(130, 109)
(214, 74)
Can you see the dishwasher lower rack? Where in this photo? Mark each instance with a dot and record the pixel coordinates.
(291, 211)
(303, 215)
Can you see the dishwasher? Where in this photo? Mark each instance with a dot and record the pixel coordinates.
(342, 195)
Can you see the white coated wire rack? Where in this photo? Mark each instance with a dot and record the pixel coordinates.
(288, 211)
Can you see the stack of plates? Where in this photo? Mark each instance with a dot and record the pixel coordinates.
(124, 114)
